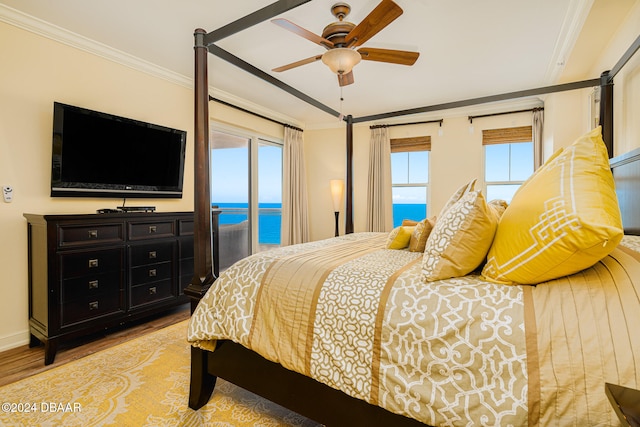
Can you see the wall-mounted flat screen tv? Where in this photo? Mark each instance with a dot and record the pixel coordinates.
(103, 155)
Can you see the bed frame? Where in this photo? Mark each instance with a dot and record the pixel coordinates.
(249, 370)
(324, 404)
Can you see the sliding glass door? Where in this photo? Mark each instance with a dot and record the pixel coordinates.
(246, 184)
(230, 191)
(269, 194)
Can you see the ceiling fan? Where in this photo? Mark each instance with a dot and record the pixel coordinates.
(340, 38)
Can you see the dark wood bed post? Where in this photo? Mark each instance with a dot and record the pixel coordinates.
(203, 275)
(606, 110)
(348, 227)
(202, 383)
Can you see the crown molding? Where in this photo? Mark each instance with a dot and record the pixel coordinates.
(53, 32)
(574, 20)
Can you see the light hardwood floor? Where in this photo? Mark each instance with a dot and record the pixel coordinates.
(22, 362)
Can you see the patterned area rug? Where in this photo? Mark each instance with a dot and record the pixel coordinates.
(143, 382)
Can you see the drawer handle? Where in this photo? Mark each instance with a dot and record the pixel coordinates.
(153, 291)
(93, 305)
(152, 229)
(93, 234)
(152, 255)
(93, 263)
(152, 272)
(93, 284)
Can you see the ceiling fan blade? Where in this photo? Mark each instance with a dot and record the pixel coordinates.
(383, 14)
(296, 29)
(345, 79)
(298, 63)
(401, 57)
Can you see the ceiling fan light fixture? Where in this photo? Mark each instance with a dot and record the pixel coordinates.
(341, 60)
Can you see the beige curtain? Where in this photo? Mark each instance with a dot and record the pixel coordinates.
(537, 126)
(379, 200)
(295, 218)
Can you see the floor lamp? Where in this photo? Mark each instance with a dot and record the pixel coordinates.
(337, 188)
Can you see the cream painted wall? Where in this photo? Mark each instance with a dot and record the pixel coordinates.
(566, 117)
(325, 152)
(456, 158)
(35, 72)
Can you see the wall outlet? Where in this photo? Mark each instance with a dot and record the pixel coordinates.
(7, 193)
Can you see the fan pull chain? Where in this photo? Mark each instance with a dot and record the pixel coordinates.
(341, 116)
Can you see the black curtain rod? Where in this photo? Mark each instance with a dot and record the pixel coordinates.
(211, 98)
(506, 112)
(406, 124)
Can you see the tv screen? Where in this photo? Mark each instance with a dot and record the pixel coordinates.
(102, 155)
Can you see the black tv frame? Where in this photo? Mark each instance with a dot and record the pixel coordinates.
(115, 189)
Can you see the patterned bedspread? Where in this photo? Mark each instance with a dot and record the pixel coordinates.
(461, 351)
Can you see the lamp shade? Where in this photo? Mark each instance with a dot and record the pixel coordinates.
(341, 60)
(337, 188)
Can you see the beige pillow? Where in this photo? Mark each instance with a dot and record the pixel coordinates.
(460, 239)
(563, 220)
(421, 234)
(399, 237)
(499, 206)
(458, 195)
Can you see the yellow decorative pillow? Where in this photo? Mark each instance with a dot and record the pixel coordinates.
(460, 238)
(458, 195)
(409, 222)
(565, 219)
(421, 234)
(399, 237)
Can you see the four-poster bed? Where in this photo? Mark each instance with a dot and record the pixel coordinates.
(310, 397)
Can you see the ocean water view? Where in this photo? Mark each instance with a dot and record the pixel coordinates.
(270, 217)
(414, 211)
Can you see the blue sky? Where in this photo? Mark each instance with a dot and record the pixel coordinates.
(230, 175)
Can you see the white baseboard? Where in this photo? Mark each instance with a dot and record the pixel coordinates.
(14, 340)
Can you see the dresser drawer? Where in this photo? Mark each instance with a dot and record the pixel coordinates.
(187, 267)
(151, 292)
(91, 306)
(149, 230)
(186, 248)
(151, 254)
(151, 273)
(91, 262)
(186, 274)
(77, 235)
(186, 227)
(78, 287)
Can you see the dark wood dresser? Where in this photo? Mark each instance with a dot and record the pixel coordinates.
(90, 272)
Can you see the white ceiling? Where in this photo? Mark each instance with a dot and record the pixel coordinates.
(468, 48)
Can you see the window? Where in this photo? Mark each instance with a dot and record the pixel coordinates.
(508, 160)
(246, 184)
(410, 178)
